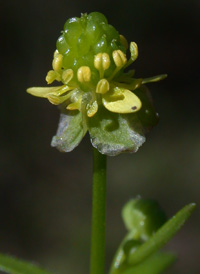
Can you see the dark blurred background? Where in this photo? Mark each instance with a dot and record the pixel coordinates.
(45, 196)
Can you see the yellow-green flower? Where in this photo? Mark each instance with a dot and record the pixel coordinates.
(96, 93)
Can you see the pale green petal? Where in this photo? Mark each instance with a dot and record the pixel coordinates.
(42, 91)
(127, 77)
(154, 78)
(45, 92)
(121, 100)
(131, 85)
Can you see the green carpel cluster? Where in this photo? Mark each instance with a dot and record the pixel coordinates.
(85, 37)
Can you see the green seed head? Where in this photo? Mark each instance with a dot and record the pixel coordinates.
(83, 39)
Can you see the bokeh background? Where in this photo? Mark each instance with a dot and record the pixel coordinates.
(45, 196)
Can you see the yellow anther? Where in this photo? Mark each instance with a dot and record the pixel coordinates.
(56, 52)
(51, 76)
(134, 51)
(102, 62)
(124, 41)
(105, 61)
(102, 86)
(119, 58)
(67, 75)
(84, 74)
(57, 62)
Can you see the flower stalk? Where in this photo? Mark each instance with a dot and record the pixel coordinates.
(97, 259)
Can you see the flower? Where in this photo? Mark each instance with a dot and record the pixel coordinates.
(96, 94)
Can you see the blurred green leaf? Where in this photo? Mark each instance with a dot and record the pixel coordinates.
(155, 264)
(162, 236)
(130, 246)
(144, 216)
(14, 266)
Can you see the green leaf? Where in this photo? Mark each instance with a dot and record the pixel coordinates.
(155, 264)
(14, 266)
(71, 131)
(113, 133)
(162, 236)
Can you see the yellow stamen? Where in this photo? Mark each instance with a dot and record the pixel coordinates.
(52, 75)
(57, 62)
(56, 52)
(92, 109)
(84, 74)
(102, 86)
(119, 58)
(134, 51)
(134, 54)
(67, 75)
(102, 62)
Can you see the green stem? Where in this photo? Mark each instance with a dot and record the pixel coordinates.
(97, 263)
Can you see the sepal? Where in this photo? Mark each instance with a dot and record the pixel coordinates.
(71, 130)
(147, 114)
(113, 133)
